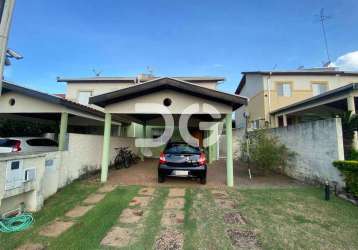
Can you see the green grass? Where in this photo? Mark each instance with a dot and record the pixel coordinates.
(299, 218)
(282, 218)
(54, 207)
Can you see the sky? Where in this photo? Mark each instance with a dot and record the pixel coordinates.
(175, 38)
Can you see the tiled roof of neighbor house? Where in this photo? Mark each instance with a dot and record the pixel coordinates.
(318, 98)
(168, 83)
(10, 87)
(308, 72)
(60, 95)
(134, 79)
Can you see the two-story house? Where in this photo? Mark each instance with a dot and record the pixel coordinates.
(272, 90)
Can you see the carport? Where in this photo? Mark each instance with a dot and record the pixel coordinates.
(153, 102)
(24, 104)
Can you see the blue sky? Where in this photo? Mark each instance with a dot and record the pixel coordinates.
(177, 37)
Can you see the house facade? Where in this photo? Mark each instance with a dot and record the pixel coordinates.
(272, 90)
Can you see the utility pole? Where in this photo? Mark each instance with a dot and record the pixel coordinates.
(322, 19)
(6, 9)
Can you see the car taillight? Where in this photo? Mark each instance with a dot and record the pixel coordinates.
(16, 147)
(162, 158)
(202, 159)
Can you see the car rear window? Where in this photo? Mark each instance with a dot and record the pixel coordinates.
(42, 142)
(7, 143)
(181, 149)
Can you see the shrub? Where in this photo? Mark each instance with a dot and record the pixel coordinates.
(353, 155)
(266, 152)
(350, 171)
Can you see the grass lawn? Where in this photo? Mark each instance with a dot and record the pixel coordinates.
(280, 218)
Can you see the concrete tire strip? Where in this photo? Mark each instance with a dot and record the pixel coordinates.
(240, 238)
(59, 226)
(126, 231)
(171, 237)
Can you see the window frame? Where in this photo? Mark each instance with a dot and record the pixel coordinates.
(321, 83)
(277, 85)
(83, 90)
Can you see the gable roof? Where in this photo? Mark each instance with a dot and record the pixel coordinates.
(10, 87)
(168, 83)
(305, 72)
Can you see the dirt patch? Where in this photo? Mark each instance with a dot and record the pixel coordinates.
(31, 246)
(243, 239)
(131, 215)
(225, 203)
(172, 217)
(176, 192)
(170, 240)
(140, 201)
(118, 237)
(234, 218)
(146, 191)
(174, 203)
(94, 198)
(107, 188)
(56, 228)
(78, 211)
(219, 194)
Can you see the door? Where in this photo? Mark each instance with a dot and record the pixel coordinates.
(198, 134)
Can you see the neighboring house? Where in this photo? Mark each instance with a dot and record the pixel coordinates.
(272, 90)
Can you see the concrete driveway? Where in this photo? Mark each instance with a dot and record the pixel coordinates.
(145, 173)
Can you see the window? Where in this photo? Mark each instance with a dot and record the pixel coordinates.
(284, 89)
(43, 142)
(256, 124)
(83, 97)
(319, 88)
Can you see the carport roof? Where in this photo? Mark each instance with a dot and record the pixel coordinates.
(10, 87)
(103, 100)
(317, 99)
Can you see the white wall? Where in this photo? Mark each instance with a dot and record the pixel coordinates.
(84, 155)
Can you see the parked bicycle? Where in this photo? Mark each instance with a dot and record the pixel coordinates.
(124, 158)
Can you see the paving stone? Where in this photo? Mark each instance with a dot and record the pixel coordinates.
(234, 218)
(94, 198)
(107, 188)
(225, 203)
(147, 191)
(78, 211)
(131, 215)
(242, 239)
(174, 203)
(118, 237)
(56, 228)
(219, 194)
(172, 217)
(170, 240)
(176, 192)
(31, 246)
(140, 201)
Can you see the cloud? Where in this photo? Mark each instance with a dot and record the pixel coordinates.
(347, 61)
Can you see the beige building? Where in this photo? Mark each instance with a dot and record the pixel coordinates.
(272, 90)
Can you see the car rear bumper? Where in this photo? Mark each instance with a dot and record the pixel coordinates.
(199, 172)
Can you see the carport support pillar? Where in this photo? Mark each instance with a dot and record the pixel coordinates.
(106, 147)
(229, 158)
(144, 133)
(63, 131)
(352, 107)
(284, 120)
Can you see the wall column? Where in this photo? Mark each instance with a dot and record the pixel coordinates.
(229, 157)
(106, 147)
(352, 108)
(63, 131)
